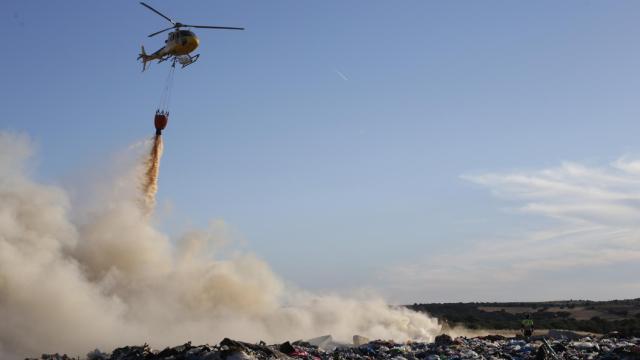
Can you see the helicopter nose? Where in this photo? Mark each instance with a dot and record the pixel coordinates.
(189, 43)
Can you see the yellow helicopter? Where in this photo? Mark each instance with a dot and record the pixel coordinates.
(179, 43)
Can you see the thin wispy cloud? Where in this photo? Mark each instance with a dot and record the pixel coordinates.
(594, 212)
(343, 76)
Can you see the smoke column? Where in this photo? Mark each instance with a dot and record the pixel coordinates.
(150, 180)
(113, 279)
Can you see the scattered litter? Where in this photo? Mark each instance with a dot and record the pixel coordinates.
(360, 340)
(554, 347)
(564, 334)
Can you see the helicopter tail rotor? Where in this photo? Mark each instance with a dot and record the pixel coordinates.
(144, 57)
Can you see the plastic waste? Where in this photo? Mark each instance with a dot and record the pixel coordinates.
(444, 347)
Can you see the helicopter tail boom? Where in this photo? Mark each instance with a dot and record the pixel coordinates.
(144, 57)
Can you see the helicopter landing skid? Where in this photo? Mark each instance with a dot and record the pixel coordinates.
(164, 59)
(186, 60)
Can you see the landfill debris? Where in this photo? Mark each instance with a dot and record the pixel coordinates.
(325, 343)
(605, 347)
(360, 340)
(443, 340)
(563, 334)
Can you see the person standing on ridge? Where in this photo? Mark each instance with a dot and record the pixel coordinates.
(527, 326)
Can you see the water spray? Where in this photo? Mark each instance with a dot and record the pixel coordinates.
(152, 171)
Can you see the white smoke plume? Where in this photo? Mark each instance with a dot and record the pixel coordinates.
(115, 279)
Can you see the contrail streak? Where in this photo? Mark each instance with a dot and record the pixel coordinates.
(343, 76)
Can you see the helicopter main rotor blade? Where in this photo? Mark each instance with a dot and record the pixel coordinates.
(214, 27)
(157, 12)
(161, 31)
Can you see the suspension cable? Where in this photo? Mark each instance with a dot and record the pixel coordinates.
(165, 97)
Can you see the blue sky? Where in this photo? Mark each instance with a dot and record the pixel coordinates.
(351, 144)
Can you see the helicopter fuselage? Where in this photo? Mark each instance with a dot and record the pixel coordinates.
(179, 45)
(181, 42)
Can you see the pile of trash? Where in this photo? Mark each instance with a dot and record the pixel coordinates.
(557, 345)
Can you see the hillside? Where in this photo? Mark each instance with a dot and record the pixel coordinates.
(602, 317)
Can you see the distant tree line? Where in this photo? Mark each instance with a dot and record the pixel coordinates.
(471, 316)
